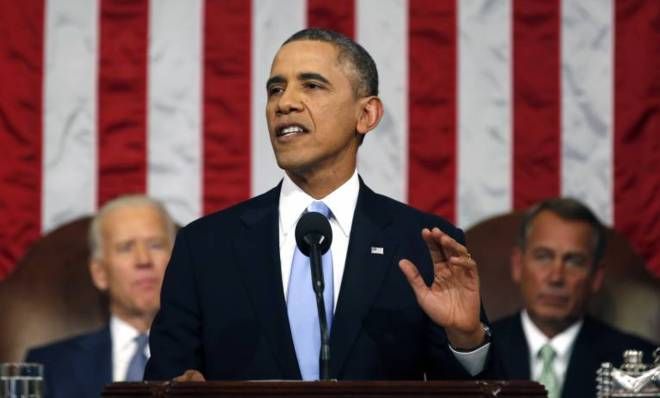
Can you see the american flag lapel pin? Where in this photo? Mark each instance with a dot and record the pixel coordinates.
(377, 250)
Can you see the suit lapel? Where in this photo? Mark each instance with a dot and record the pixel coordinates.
(364, 273)
(515, 350)
(580, 373)
(258, 255)
(93, 367)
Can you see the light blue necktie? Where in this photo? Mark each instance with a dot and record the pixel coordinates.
(136, 366)
(302, 309)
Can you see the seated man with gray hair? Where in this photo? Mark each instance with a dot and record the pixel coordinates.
(131, 241)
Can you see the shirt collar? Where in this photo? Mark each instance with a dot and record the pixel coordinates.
(123, 335)
(341, 202)
(561, 343)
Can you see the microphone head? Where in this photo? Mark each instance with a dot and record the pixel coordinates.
(313, 228)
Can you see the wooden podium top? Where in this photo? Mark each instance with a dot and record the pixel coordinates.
(372, 389)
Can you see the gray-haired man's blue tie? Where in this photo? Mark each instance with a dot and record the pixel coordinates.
(301, 306)
(138, 361)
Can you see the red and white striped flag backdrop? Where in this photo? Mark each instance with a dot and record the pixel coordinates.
(490, 106)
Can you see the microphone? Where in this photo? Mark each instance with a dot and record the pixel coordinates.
(313, 237)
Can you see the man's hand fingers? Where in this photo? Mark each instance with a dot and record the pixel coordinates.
(437, 240)
(414, 278)
(452, 247)
(190, 375)
(463, 261)
(432, 238)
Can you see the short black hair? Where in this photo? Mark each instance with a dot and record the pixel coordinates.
(358, 58)
(567, 209)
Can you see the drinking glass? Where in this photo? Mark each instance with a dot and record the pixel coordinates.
(21, 380)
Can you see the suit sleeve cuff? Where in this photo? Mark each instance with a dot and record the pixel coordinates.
(473, 361)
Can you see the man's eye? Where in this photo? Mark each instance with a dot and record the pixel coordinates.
(157, 245)
(273, 90)
(543, 256)
(124, 247)
(312, 85)
(576, 261)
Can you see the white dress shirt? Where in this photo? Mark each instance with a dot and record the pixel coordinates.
(341, 202)
(124, 345)
(561, 343)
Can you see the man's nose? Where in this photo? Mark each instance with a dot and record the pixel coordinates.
(142, 255)
(557, 271)
(288, 101)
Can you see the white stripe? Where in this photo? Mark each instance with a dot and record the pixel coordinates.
(69, 124)
(174, 106)
(273, 22)
(383, 157)
(484, 103)
(587, 90)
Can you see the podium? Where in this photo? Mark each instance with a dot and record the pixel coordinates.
(326, 389)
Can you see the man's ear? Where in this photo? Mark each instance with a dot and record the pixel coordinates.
(371, 111)
(516, 264)
(99, 274)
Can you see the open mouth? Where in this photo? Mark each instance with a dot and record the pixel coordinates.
(290, 130)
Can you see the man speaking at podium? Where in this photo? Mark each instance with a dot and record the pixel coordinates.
(401, 290)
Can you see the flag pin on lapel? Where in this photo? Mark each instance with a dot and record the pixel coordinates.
(377, 250)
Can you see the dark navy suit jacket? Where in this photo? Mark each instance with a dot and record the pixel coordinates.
(223, 309)
(76, 367)
(596, 343)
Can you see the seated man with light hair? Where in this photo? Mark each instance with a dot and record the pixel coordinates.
(131, 241)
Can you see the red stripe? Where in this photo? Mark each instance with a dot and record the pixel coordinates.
(227, 43)
(432, 106)
(637, 126)
(536, 97)
(337, 15)
(122, 98)
(21, 74)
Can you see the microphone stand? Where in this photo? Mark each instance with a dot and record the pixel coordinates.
(318, 285)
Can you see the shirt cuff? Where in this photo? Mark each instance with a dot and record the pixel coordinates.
(473, 361)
